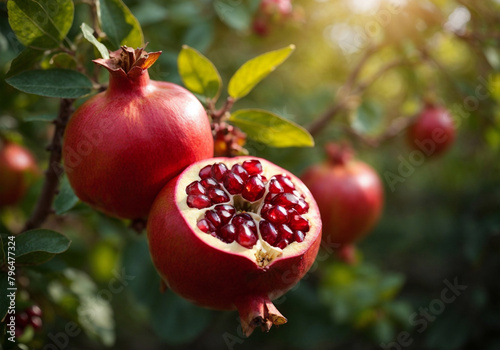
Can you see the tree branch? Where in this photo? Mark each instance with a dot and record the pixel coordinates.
(50, 186)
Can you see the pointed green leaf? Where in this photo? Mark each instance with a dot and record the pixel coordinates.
(88, 33)
(119, 24)
(39, 246)
(66, 199)
(271, 129)
(41, 24)
(255, 70)
(62, 83)
(198, 73)
(236, 14)
(24, 61)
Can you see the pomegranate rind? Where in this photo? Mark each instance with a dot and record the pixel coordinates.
(214, 274)
(350, 197)
(120, 149)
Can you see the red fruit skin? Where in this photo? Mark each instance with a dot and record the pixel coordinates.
(17, 167)
(213, 278)
(433, 132)
(123, 145)
(350, 199)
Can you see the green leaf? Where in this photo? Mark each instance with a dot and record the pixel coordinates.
(24, 61)
(235, 14)
(66, 199)
(368, 118)
(198, 73)
(62, 83)
(41, 24)
(271, 129)
(119, 24)
(38, 246)
(48, 118)
(88, 33)
(95, 313)
(255, 70)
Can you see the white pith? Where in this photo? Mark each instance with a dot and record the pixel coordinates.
(262, 253)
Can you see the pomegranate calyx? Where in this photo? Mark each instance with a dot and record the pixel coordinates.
(338, 154)
(128, 62)
(258, 311)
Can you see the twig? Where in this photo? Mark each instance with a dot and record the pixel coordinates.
(219, 113)
(44, 205)
(347, 89)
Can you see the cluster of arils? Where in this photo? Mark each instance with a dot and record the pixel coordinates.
(228, 140)
(244, 203)
(32, 316)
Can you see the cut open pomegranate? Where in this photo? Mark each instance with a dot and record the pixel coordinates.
(235, 233)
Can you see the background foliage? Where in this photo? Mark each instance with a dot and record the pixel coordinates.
(371, 66)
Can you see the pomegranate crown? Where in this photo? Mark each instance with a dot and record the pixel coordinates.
(338, 153)
(128, 62)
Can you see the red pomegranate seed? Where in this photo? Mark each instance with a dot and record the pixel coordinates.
(302, 207)
(195, 188)
(205, 225)
(218, 171)
(277, 215)
(198, 201)
(233, 183)
(268, 232)
(240, 171)
(286, 200)
(217, 195)
(209, 183)
(254, 189)
(285, 182)
(245, 237)
(297, 194)
(298, 222)
(225, 212)
(269, 197)
(285, 232)
(275, 186)
(265, 209)
(251, 224)
(253, 167)
(282, 244)
(299, 236)
(240, 219)
(205, 172)
(213, 217)
(228, 233)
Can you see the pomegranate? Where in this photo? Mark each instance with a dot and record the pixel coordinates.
(349, 194)
(235, 233)
(17, 169)
(123, 145)
(433, 131)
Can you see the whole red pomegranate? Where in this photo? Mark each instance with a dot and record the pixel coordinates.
(123, 145)
(349, 194)
(17, 169)
(234, 233)
(433, 131)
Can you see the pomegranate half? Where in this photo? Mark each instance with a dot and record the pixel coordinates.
(234, 233)
(123, 145)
